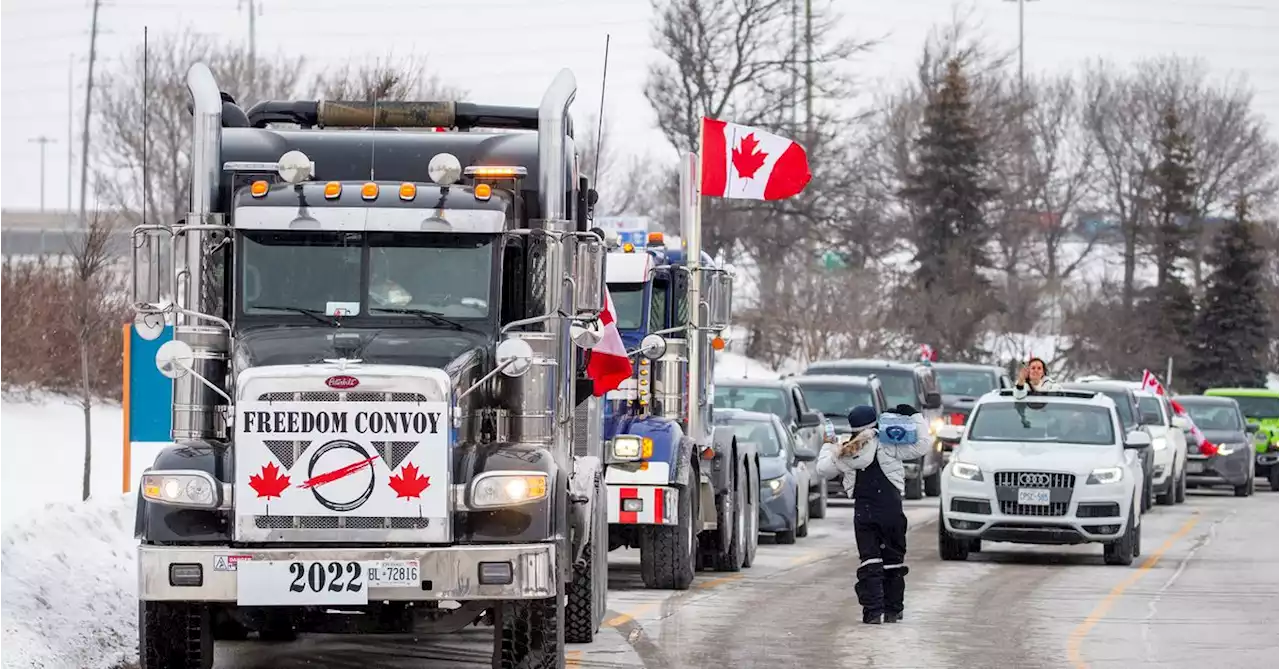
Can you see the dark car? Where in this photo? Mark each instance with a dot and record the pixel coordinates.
(786, 400)
(834, 396)
(784, 471)
(961, 384)
(1222, 423)
(1121, 392)
(911, 383)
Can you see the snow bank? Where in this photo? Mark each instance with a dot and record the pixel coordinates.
(734, 366)
(69, 586)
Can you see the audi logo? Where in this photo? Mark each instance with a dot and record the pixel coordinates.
(1033, 479)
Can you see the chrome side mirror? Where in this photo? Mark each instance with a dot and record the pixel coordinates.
(721, 300)
(653, 346)
(514, 357)
(152, 259)
(174, 359)
(586, 334)
(588, 275)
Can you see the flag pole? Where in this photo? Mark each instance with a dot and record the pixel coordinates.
(691, 240)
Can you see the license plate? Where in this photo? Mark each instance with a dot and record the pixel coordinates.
(1194, 467)
(393, 574)
(318, 582)
(1034, 496)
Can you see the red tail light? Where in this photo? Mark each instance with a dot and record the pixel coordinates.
(957, 419)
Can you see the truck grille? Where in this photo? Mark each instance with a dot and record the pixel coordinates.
(335, 522)
(1016, 509)
(329, 396)
(1035, 480)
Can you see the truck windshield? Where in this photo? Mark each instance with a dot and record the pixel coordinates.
(628, 302)
(965, 382)
(1258, 408)
(1043, 422)
(763, 400)
(352, 274)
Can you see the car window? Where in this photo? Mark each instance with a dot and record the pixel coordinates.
(1257, 407)
(1214, 416)
(835, 400)
(972, 383)
(1151, 413)
(899, 385)
(802, 404)
(1043, 422)
(761, 433)
(762, 400)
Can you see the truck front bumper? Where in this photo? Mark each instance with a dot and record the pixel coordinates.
(447, 572)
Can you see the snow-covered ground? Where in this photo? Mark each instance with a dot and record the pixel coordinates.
(68, 583)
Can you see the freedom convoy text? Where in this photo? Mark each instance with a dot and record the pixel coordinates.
(411, 423)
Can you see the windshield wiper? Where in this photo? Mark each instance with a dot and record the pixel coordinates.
(314, 313)
(429, 316)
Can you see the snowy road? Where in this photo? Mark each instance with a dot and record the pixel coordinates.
(1204, 593)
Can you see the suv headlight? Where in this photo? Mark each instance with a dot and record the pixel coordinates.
(1106, 475)
(772, 485)
(495, 489)
(966, 471)
(630, 448)
(192, 489)
(1228, 449)
(1159, 443)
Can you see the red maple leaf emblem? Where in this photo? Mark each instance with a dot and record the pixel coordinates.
(408, 483)
(270, 483)
(746, 159)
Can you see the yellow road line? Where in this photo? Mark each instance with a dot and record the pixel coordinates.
(1076, 640)
(572, 658)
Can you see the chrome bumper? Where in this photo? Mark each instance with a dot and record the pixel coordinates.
(447, 573)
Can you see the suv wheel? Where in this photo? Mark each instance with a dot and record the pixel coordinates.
(951, 548)
(1122, 551)
(933, 484)
(914, 488)
(1273, 477)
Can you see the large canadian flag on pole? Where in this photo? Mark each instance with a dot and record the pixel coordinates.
(744, 163)
(608, 365)
(1152, 384)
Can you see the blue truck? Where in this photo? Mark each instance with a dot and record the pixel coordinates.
(681, 490)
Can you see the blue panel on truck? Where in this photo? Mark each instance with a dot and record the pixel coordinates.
(150, 398)
(665, 434)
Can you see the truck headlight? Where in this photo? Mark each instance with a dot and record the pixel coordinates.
(192, 489)
(494, 489)
(1105, 475)
(966, 471)
(630, 448)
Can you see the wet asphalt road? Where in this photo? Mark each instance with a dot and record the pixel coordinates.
(1206, 592)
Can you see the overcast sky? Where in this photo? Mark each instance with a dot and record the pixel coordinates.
(506, 51)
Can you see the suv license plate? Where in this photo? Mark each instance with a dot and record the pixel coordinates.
(1033, 496)
(1194, 467)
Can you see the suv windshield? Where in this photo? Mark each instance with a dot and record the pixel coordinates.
(1043, 422)
(1213, 416)
(763, 400)
(1259, 408)
(1151, 413)
(351, 274)
(899, 385)
(835, 400)
(756, 431)
(967, 382)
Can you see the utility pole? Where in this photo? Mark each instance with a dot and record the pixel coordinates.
(255, 10)
(1021, 60)
(88, 113)
(71, 110)
(43, 142)
(795, 68)
(808, 71)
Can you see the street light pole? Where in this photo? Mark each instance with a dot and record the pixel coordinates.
(1021, 24)
(43, 142)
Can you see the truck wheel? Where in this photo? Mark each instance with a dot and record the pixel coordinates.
(530, 634)
(933, 484)
(1121, 551)
(731, 557)
(914, 488)
(951, 548)
(584, 607)
(174, 635)
(818, 507)
(667, 552)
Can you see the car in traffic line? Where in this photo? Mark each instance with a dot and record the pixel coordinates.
(785, 399)
(1231, 461)
(1055, 468)
(834, 396)
(1260, 406)
(911, 383)
(961, 384)
(1168, 447)
(784, 471)
(1124, 395)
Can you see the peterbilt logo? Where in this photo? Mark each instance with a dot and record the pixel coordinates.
(1033, 479)
(342, 382)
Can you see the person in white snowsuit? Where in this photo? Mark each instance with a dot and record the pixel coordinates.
(873, 475)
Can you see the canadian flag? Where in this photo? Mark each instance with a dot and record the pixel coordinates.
(608, 365)
(927, 354)
(744, 163)
(1152, 384)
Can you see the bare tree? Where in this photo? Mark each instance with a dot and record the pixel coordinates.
(119, 161)
(385, 78)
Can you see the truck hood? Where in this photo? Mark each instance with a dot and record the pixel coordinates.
(1010, 455)
(295, 345)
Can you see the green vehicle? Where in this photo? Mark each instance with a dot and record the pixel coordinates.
(1261, 407)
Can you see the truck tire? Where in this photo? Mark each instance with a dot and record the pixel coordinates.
(818, 507)
(950, 548)
(753, 522)
(1121, 552)
(174, 635)
(530, 634)
(732, 556)
(584, 607)
(667, 552)
(933, 484)
(914, 488)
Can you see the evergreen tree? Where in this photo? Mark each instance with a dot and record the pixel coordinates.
(1174, 183)
(951, 231)
(1233, 334)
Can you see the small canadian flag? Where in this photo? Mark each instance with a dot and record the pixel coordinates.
(744, 163)
(1152, 384)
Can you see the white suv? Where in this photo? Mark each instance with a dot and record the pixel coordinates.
(1055, 468)
(1169, 446)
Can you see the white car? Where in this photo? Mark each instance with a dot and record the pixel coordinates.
(1056, 468)
(1168, 445)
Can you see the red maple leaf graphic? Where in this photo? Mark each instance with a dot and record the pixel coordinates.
(408, 483)
(270, 483)
(746, 160)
